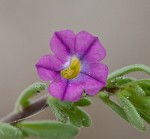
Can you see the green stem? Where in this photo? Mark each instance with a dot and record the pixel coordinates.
(128, 69)
(33, 108)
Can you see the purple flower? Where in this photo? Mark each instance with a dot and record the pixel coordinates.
(74, 66)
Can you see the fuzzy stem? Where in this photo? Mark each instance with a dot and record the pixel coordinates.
(35, 107)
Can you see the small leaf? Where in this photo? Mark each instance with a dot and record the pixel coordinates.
(63, 111)
(23, 100)
(67, 110)
(145, 85)
(74, 117)
(131, 112)
(58, 109)
(115, 107)
(138, 90)
(65, 104)
(119, 81)
(9, 132)
(49, 129)
(79, 117)
(85, 118)
(135, 89)
(144, 114)
(142, 102)
(83, 102)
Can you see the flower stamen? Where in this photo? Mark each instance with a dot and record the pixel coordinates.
(73, 70)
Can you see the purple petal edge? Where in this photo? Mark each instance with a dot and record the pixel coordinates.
(62, 44)
(48, 67)
(89, 48)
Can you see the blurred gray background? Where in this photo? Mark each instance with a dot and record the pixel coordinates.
(26, 27)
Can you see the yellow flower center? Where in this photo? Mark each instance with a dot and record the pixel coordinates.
(73, 70)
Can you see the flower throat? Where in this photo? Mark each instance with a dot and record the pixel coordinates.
(73, 70)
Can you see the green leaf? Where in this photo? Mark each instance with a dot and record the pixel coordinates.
(58, 109)
(9, 132)
(65, 104)
(119, 81)
(83, 102)
(74, 117)
(138, 90)
(48, 129)
(128, 69)
(67, 110)
(85, 118)
(135, 89)
(115, 107)
(23, 100)
(142, 104)
(131, 112)
(79, 117)
(145, 85)
(144, 114)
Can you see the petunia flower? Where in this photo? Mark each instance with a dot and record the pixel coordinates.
(74, 67)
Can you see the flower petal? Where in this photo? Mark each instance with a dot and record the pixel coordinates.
(66, 90)
(74, 91)
(48, 67)
(95, 76)
(92, 86)
(62, 44)
(96, 70)
(88, 47)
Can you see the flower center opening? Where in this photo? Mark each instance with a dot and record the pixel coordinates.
(73, 70)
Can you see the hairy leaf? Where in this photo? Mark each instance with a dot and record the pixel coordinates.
(145, 85)
(135, 89)
(67, 110)
(24, 99)
(115, 107)
(142, 102)
(128, 69)
(74, 117)
(83, 102)
(131, 112)
(79, 117)
(58, 109)
(9, 132)
(144, 114)
(119, 81)
(85, 118)
(49, 129)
